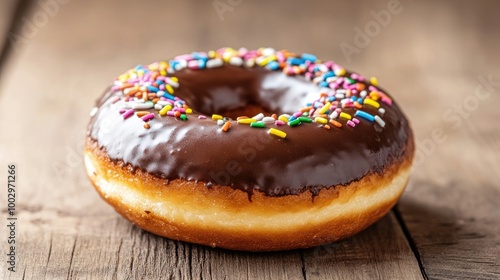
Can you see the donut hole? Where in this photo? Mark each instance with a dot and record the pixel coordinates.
(238, 91)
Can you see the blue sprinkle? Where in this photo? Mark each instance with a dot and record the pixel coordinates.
(273, 65)
(353, 98)
(318, 104)
(292, 118)
(202, 62)
(168, 96)
(196, 55)
(308, 56)
(160, 82)
(364, 115)
(328, 74)
(331, 98)
(138, 67)
(360, 100)
(323, 84)
(308, 104)
(152, 88)
(295, 61)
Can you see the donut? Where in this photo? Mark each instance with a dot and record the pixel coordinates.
(252, 150)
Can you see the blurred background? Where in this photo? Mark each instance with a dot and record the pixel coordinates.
(439, 59)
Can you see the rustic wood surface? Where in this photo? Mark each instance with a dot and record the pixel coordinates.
(431, 55)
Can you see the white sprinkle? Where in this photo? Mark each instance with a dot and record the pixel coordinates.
(381, 111)
(259, 116)
(141, 106)
(331, 79)
(342, 91)
(172, 83)
(216, 62)
(250, 63)
(379, 121)
(160, 93)
(260, 59)
(317, 80)
(322, 68)
(268, 120)
(236, 61)
(334, 115)
(268, 51)
(339, 95)
(363, 94)
(158, 106)
(220, 122)
(93, 111)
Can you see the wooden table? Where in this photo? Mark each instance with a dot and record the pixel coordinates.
(434, 56)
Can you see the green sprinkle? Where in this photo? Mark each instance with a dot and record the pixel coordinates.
(304, 119)
(305, 114)
(183, 117)
(258, 124)
(351, 81)
(294, 122)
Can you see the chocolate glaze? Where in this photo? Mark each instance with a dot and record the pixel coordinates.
(247, 158)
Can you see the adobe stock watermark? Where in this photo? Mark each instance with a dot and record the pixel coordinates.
(223, 6)
(32, 24)
(455, 116)
(363, 37)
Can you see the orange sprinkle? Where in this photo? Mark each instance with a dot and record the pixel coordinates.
(155, 75)
(177, 114)
(360, 86)
(242, 117)
(147, 126)
(374, 95)
(305, 109)
(274, 116)
(138, 94)
(327, 127)
(124, 86)
(132, 91)
(145, 96)
(335, 123)
(226, 126)
(357, 105)
(152, 95)
(140, 114)
(348, 93)
(155, 100)
(323, 94)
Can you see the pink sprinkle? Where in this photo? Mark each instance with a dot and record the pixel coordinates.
(162, 87)
(387, 100)
(187, 57)
(115, 88)
(122, 110)
(128, 113)
(202, 117)
(115, 99)
(194, 64)
(328, 64)
(361, 78)
(182, 110)
(372, 88)
(356, 121)
(148, 117)
(171, 113)
(297, 114)
(280, 123)
(161, 78)
(351, 123)
(354, 76)
(308, 76)
(311, 112)
(280, 57)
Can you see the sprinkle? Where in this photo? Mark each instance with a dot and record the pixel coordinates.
(216, 117)
(94, 111)
(374, 81)
(183, 117)
(258, 117)
(372, 103)
(165, 109)
(220, 122)
(279, 123)
(202, 117)
(268, 120)
(340, 72)
(364, 115)
(141, 114)
(294, 122)
(226, 126)
(334, 115)
(335, 123)
(345, 116)
(236, 61)
(147, 126)
(141, 106)
(356, 121)
(320, 120)
(258, 124)
(277, 132)
(213, 63)
(381, 111)
(148, 117)
(128, 114)
(325, 108)
(283, 118)
(246, 121)
(327, 127)
(379, 121)
(305, 119)
(351, 123)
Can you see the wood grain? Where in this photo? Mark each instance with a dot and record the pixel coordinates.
(450, 210)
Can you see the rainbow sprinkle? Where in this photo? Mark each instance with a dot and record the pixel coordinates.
(149, 90)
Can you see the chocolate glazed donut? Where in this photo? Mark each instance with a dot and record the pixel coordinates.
(174, 148)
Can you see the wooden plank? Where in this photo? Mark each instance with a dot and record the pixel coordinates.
(67, 230)
(377, 253)
(451, 206)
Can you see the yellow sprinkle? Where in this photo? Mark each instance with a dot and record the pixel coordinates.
(283, 119)
(163, 72)
(175, 79)
(189, 111)
(345, 115)
(216, 117)
(211, 54)
(165, 109)
(246, 121)
(277, 132)
(169, 89)
(374, 95)
(340, 71)
(374, 81)
(266, 60)
(321, 120)
(372, 103)
(325, 108)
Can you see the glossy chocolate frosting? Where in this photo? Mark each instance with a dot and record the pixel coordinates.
(247, 158)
